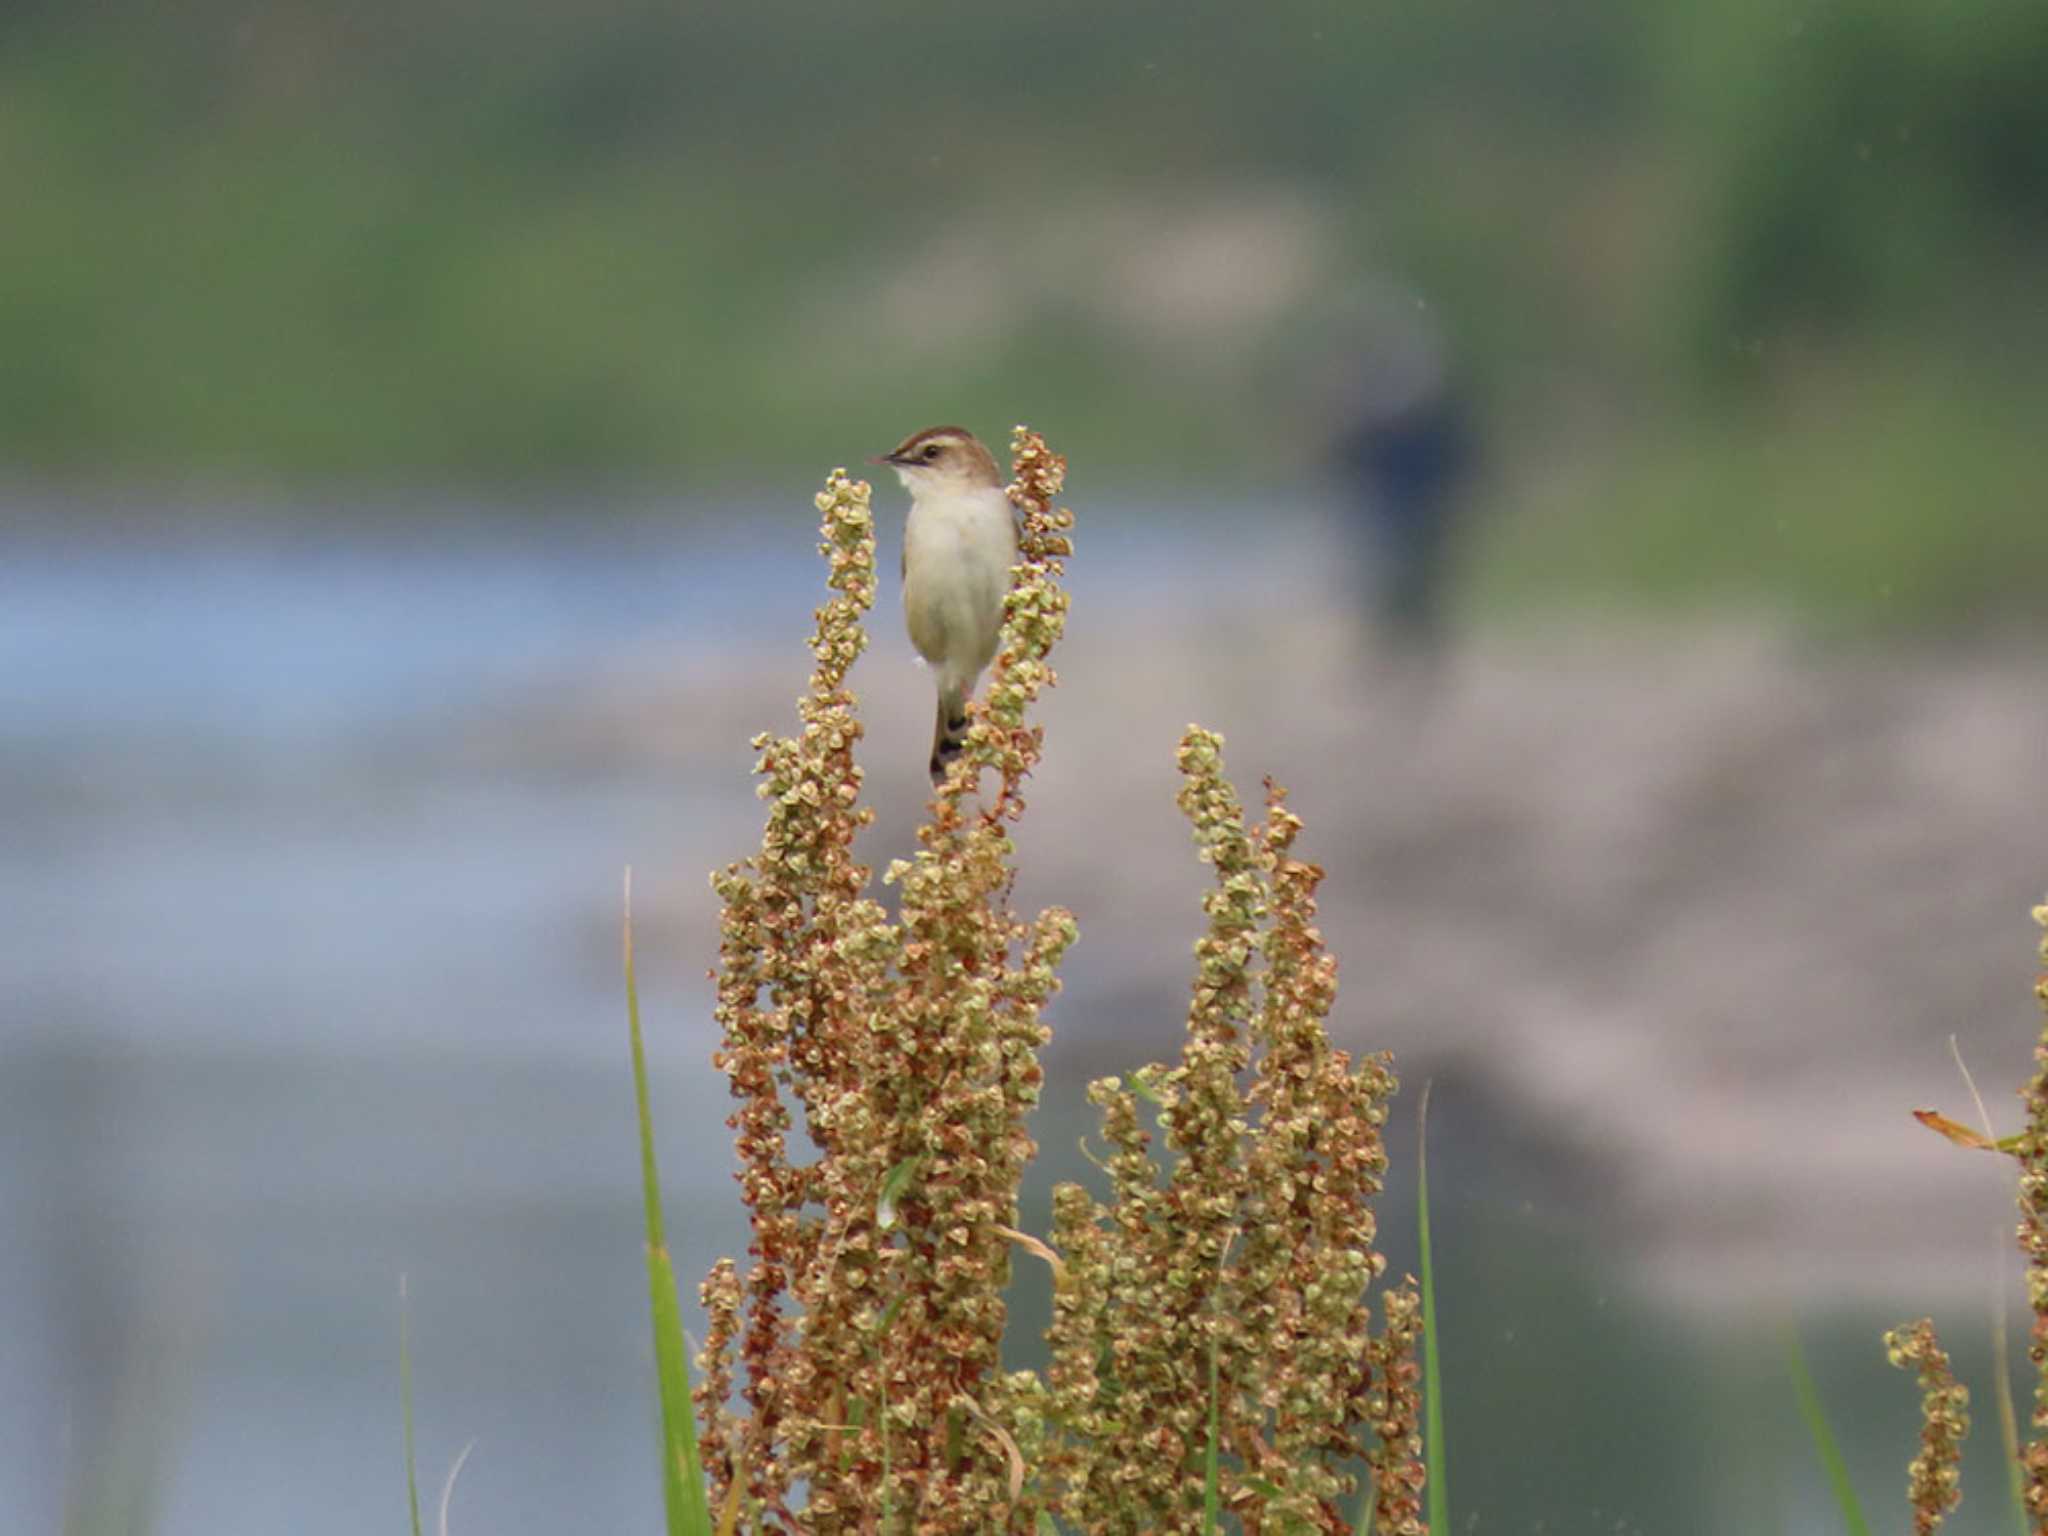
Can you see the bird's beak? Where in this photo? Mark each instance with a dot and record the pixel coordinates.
(884, 458)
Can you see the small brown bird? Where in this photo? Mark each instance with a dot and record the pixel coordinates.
(958, 547)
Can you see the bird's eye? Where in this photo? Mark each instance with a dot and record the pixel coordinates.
(931, 451)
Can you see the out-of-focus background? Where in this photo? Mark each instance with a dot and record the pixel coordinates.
(1589, 451)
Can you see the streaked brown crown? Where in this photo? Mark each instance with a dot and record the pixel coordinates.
(949, 450)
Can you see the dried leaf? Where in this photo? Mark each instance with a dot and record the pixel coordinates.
(1039, 1249)
(1002, 1436)
(1965, 1136)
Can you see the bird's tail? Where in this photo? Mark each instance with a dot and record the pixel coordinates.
(949, 731)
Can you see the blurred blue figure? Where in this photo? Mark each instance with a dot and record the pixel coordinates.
(1403, 453)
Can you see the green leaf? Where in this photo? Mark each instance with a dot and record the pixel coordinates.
(894, 1183)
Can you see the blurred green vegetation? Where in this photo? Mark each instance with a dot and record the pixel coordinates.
(1749, 295)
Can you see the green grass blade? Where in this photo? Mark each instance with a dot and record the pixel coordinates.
(412, 1475)
(682, 1480)
(2008, 1416)
(121, 1467)
(1824, 1438)
(1432, 1370)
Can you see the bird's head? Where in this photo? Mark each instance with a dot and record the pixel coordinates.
(942, 460)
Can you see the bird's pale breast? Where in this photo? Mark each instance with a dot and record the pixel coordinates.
(958, 551)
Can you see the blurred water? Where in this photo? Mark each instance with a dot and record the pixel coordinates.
(244, 797)
(308, 981)
(299, 996)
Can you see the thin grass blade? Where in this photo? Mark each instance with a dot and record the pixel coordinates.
(682, 1479)
(412, 1475)
(1824, 1438)
(2001, 1359)
(2008, 1416)
(1432, 1371)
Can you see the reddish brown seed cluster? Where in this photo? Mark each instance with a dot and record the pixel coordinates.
(1934, 1481)
(884, 1071)
(863, 1341)
(1237, 1284)
(793, 985)
(2033, 1236)
(1394, 1415)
